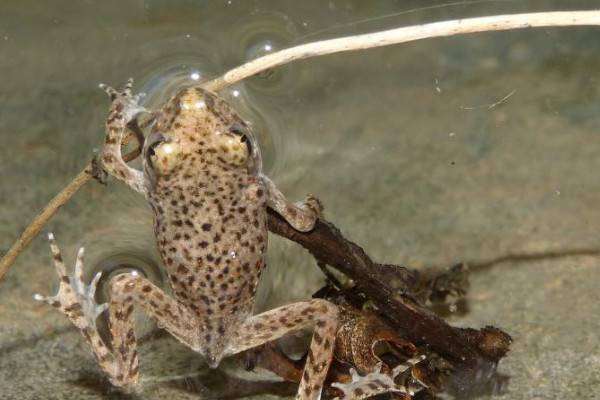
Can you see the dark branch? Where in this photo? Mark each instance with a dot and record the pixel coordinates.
(390, 287)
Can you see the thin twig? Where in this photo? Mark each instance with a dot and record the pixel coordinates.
(43, 217)
(35, 226)
(403, 35)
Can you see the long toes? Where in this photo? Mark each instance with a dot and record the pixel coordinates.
(112, 93)
(314, 204)
(94, 285)
(47, 299)
(127, 87)
(59, 265)
(78, 282)
(39, 297)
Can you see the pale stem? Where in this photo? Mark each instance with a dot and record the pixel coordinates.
(403, 35)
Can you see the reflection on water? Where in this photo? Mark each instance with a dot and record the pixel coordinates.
(398, 143)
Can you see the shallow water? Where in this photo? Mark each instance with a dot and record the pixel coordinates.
(481, 148)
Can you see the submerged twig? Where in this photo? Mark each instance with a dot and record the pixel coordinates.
(38, 223)
(390, 287)
(43, 217)
(403, 35)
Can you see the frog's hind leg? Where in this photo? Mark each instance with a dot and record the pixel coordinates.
(301, 215)
(75, 299)
(276, 323)
(123, 109)
(129, 290)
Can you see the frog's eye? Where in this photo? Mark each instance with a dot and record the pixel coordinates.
(152, 144)
(241, 131)
(161, 154)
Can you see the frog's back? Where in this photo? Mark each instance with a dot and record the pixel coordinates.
(209, 206)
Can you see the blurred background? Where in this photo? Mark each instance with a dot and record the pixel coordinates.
(481, 149)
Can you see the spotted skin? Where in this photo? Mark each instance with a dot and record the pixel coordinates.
(202, 179)
(270, 325)
(127, 291)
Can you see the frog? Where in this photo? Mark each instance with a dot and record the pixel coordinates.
(202, 177)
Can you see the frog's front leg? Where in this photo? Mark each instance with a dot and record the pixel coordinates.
(268, 326)
(76, 301)
(301, 215)
(124, 109)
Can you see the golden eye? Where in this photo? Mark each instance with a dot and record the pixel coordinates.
(166, 157)
(161, 154)
(241, 131)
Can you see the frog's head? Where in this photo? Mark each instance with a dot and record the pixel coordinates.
(195, 131)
